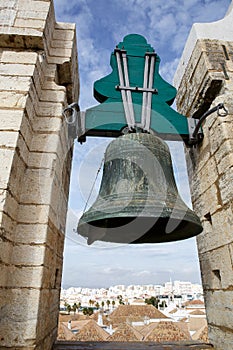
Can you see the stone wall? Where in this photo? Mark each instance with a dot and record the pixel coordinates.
(38, 77)
(206, 81)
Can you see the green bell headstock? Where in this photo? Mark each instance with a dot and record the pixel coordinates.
(135, 95)
(136, 48)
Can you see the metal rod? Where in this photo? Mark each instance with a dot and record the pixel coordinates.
(136, 89)
(123, 92)
(144, 95)
(149, 95)
(128, 92)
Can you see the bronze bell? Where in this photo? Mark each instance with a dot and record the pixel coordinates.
(138, 201)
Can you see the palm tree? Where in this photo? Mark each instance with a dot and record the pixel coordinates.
(102, 304)
(74, 308)
(68, 308)
(97, 305)
(120, 298)
(79, 305)
(113, 303)
(108, 302)
(87, 311)
(152, 301)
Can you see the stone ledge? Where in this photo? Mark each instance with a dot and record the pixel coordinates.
(66, 345)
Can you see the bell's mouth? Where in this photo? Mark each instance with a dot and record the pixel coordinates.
(139, 230)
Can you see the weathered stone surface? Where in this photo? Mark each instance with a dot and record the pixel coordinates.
(220, 303)
(10, 119)
(226, 184)
(6, 159)
(15, 83)
(14, 100)
(216, 268)
(218, 232)
(17, 69)
(210, 166)
(35, 154)
(221, 338)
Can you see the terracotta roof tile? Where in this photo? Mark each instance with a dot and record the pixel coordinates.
(194, 302)
(125, 332)
(64, 333)
(137, 310)
(91, 332)
(201, 334)
(197, 312)
(196, 323)
(166, 331)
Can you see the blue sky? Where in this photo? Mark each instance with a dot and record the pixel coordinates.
(101, 24)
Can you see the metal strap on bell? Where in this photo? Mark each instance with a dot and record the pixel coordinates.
(138, 201)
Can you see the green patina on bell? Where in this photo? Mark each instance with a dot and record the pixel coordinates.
(138, 200)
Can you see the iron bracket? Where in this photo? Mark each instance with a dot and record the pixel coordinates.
(76, 122)
(194, 125)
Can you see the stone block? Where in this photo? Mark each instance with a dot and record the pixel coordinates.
(208, 175)
(16, 69)
(11, 206)
(33, 214)
(60, 44)
(60, 52)
(7, 227)
(216, 269)
(15, 83)
(8, 139)
(10, 119)
(208, 201)
(51, 85)
(42, 160)
(47, 143)
(51, 124)
(226, 185)
(225, 163)
(53, 96)
(23, 149)
(13, 99)
(34, 234)
(225, 148)
(221, 338)
(5, 252)
(218, 135)
(61, 34)
(30, 23)
(6, 159)
(220, 308)
(31, 5)
(65, 26)
(216, 233)
(35, 15)
(20, 304)
(10, 4)
(23, 277)
(3, 195)
(50, 109)
(28, 255)
(7, 16)
(21, 57)
(39, 186)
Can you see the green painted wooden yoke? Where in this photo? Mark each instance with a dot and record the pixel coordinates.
(108, 118)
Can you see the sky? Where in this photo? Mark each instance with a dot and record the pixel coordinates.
(101, 25)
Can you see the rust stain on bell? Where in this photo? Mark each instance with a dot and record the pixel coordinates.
(138, 201)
